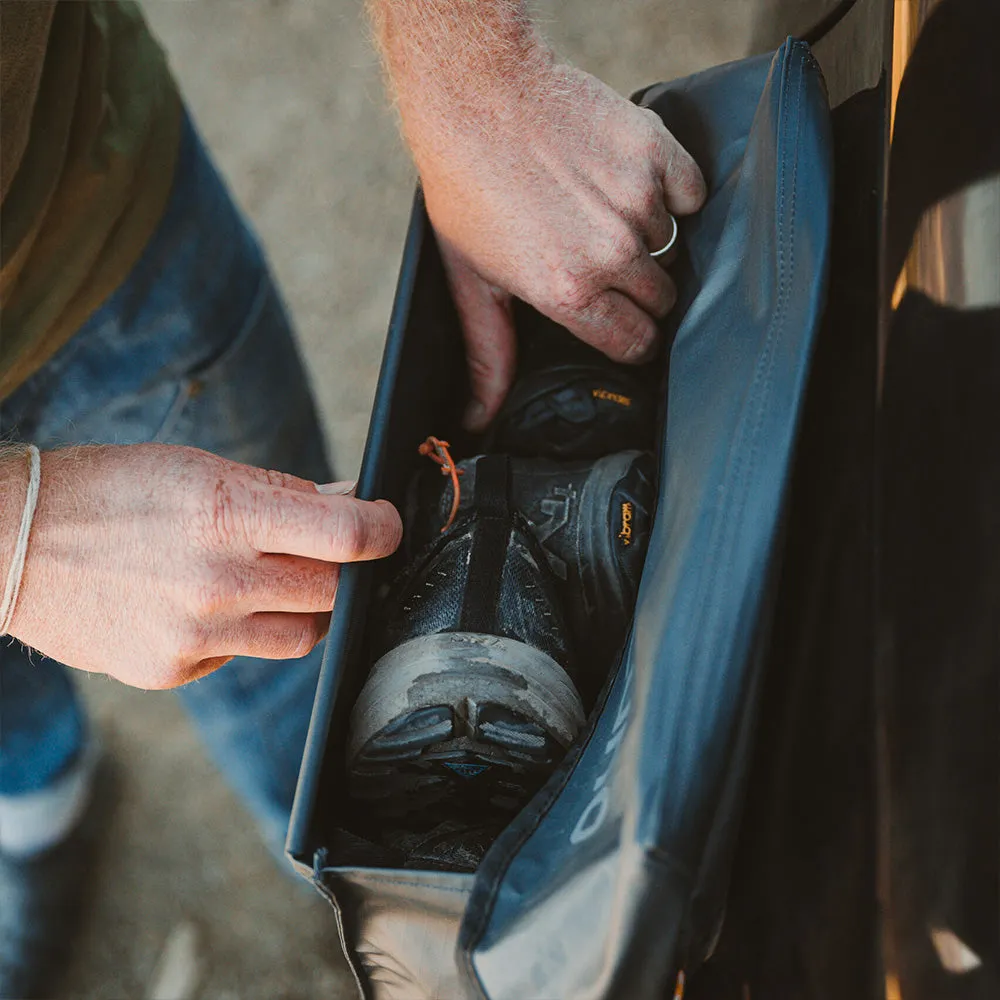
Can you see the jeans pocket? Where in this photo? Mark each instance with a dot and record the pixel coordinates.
(126, 379)
(252, 403)
(193, 383)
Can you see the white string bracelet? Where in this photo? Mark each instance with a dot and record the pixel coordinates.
(16, 570)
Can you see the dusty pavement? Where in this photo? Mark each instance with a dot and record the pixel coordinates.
(288, 95)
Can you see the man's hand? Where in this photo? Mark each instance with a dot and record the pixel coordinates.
(540, 181)
(156, 564)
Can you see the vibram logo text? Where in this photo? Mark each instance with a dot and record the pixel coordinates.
(614, 397)
(626, 533)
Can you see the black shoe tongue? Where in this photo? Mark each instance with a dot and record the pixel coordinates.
(485, 573)
(491, 497)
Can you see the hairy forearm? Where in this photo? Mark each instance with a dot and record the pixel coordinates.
(456, 65)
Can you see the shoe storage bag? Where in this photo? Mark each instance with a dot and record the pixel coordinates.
(613, 880)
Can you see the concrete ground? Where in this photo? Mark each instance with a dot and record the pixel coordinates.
(288, 95)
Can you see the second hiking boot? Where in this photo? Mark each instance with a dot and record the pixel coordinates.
(569, 401)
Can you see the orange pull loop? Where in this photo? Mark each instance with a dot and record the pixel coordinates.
(437, 450)
(679, 988)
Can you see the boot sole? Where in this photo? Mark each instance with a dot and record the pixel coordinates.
(461, 717)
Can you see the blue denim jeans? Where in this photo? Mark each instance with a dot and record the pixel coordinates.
(194, 348)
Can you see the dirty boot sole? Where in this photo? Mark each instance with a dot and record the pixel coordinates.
(463, 719)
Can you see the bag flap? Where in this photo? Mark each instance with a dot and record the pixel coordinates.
(614, 878)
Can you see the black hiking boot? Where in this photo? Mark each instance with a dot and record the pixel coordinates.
(497, 635)
(591, 519)
(470, 703)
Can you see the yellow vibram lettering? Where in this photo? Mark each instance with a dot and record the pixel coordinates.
(626, 533)
(614, 397)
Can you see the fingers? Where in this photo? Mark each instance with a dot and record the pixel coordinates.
(683, 183)
(270, 636)
(678, 188)
(331, 528)
(675, 185)
(647, 284)
(265, 635)
(196, 671)
(615, 325)
(280, 583)
(491, 345)
(666, 259)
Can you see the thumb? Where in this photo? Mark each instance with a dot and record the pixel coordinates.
(490, 342)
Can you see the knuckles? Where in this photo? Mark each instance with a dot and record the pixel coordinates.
(218, 589)
(570, 292)
(223, 516)
(649, 201)
(625, 250)
(210, 511)
(284, 480)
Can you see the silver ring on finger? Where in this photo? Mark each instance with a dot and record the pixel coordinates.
(670, 242)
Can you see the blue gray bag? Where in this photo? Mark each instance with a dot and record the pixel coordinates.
(613, 881)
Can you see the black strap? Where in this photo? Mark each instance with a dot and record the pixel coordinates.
(491, 534)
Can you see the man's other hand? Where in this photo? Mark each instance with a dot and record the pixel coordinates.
(541, 182)
(156, 564)
(560, 203)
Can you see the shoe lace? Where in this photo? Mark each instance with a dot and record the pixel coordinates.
(437, 450)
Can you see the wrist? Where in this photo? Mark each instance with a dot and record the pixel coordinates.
(15, 528)
(460, 70)
(14, 476)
